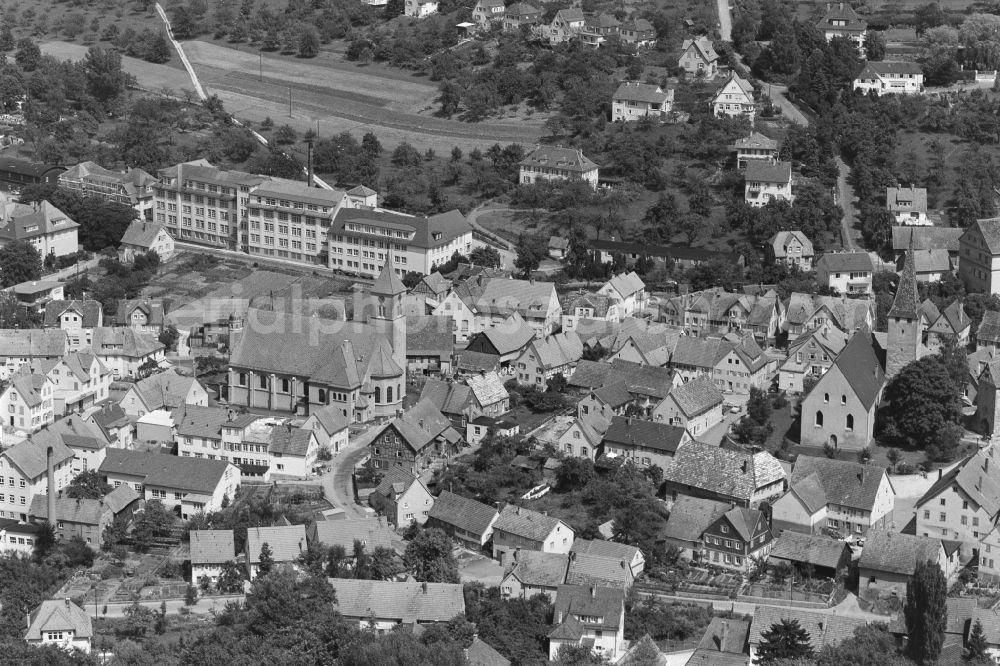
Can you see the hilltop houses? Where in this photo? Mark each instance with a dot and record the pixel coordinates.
(755, 147)
(555, 163)
(890, 78)
(635, 101)
(766, 182)
(908, 206)
(735, 98)
(840, 20)
(698, 57)
(791, 248)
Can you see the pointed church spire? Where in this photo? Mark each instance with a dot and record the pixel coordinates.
(904, 304)
(388, 283)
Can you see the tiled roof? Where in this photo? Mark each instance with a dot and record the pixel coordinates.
(613, 395)
(823, 628)
(744, 521)
(512, 335)
(32, 343)
(841, 11)
(406, 603)
(646, 434)
(903, 199)
(591, 602)
(570, 14)
(29, 455)
(847, 314)
(424, 230)
(488, 388)
(388, 283)
(989, 327)
(907, 299)
(590, 569)
(420, 424)
(627, 284)
(70, 510)
(526, 523)
(779, 243)
(978, 477)
(765, 172)
(207, 422)
(331, 418)
(429, 335)
(700, 352)
(862, 368)
(955, 317)
(844, 482)
(286, 542)
(730, 473)
(480, 653)
(845, 262)
(58, 615)
(568, 159)
(20, 221)
(288, 440)
(121, 497)
(28, 386)
(472, 361)
(558, 350)
(630, 91)
(212, 546)
(703, 46)
(371, 532)
(154, 309)
(599, 303)
(926, 238)
(89, 311)
(725, 635)
(895, 552)
(141, 234)
(990, 230)
(810, 491)
(183, 474)
(540, 569)
(463, 513)
(449, 397)
(696, 396)
(395, 481)
(606, 549)
(691, 516)
(124, 342)
(821, 551)
(165, 390)
(760, 142)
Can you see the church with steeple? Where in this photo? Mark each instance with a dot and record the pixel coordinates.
(297, 363)
(906, 325)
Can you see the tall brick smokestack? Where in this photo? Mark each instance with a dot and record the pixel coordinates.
(51, 486)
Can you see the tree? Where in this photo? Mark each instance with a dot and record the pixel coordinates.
(45, 540)
(284, 135)
(28, 55)
(574, 473)
(266, 562)
(405, 155)
(157, 49)
(784, 640)
(308, 42)
(577, 655)
(926, 612)
(106, 80)
(114, 534)
(88, 485)
(168, 337)
(155, 522)
(485, 255)
(190, 595)
(371, 145)
(976, 648)
(19, 262)
(430, 559)
(922, 400)
(230, 578)
(875, 45)
(529, 256)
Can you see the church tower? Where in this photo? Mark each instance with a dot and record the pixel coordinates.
(904, 338)
(387, 314)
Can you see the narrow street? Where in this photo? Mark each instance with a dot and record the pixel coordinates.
(725, 21)
(777, 92)
(337, 486)
(845, 198)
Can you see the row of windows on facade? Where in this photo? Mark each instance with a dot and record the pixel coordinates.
(848, 422)
(943, 517)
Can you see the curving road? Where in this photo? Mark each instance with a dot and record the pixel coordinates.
(725, 20)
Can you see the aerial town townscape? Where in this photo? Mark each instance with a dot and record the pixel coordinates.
(458, 332)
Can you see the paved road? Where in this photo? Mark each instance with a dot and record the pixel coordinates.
(507, 256)
(725, 20)
(337, 486)
(845, 197)
(777, 94)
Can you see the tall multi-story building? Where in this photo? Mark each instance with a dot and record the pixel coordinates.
(360, 239)
(132, 187)
(290, 220)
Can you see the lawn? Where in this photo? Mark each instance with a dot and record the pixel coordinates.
(149, 76)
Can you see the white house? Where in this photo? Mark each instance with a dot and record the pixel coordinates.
(26, 402)
(61, 623)
(123, 350)
(488, 12)
(791, 248)
(286, 542)
(20, 346)
(846, 272)
(555, 163)
(766, 182)
(891, 78)
(908, 206)
(734, 99)
(142, 237)
(385, 605)
(43, 225)
(841, 20)
(520, 528)
(79, 380)
(78, 318)
(634, 101)
(698, 56)
(630, 290)
(589, 615)
(23, 469)
(420, 8)
(330, 426)
(210, 549)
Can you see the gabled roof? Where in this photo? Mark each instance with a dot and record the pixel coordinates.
(141, 234)
(703, 46)
(568, 159)
(779, 242)
(713, 469)
(429, 335)
(395, 481)
(406, 603)
(29, 455)
(286, 542)
(861, 367)
(895, 552)
(841, 11)
(633, 91)
(847, 314)
(124, 342)
(989, 327)
(558, 350)
(760, 142)
(823, 628)
(420, 425)
(212, 546)
(463, 513)
(904, 199)
(165, 390)
(926, 238)
(570, 14)
(510, 336)
(700, 352)
(70, 510)
(645, 434)
(844, 482)
(743, 520)
(32, 343)
(20, 221)
(154, 309)
(540, 569)
(607, 549)
(590, 569)
(487, 387)
(818, 550)
(906, 301)
(977, 476)
(696, 396)
(58, 615)
(521, 9)
(845, 262)
(371, 532)
(449, 397)
(953, 320)
(528, 524)
(626, 284)
(990, 230)
(288, 440)
(480, 653)
(121, 497)
(331, 418)
(725, 635)
(584, 601)
(691, 516)
(89, 311)
(28, 386)
(195, 475)
(766, 172)
(931, 261)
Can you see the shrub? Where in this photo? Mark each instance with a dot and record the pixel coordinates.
(112, 571)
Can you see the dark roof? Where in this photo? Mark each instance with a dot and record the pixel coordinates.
(697, 396)
(841, 11)
(843, 482)
(482, 654)
(820, 551)
(646, 434)
(196, 475)
(906, 301)
(290, 441)
(540, 569)
(989, 327)
(26, 168)
(429, 335)
(926, 238)
(89, 310)
(979, 478)
(141, 233)
(591, 602)
(70, 510)
(725, 635)
(691, 516)
(729, 473)
(823, 628)
(845, 261)
(407, 603)
(449, 225)
(642, 92)
(873, 69)
(681, 252)
(764, 171)
(895, 552)
(463, 513)
(861, 367)
(526, 523)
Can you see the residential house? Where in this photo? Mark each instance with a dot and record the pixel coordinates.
(521, 14)
(597, 29)
(846, 272)
(330, 427)
(432, 287)
(734, 99)
(171, 390)
(743, 366)
(143, 237)
(717, 311)
(638, 32)
(187, 486)
(34, 294)
(24, 469)
(558, 247)
(481, 395)
(964, 504)
(20, 346)
(646, 385)
(930, 265)
(689, 518)
(286, 542)
(695, 406)
(682, 256)
(420, 8)
(908, 205)
(26, 402)
(87, 441)
(402, 498)
(822, 629)
(890, 78)
(210, 550)
(522, 529)
(766, 182)
(927, 238)
(482, 427)
(841, 20)
(387, 604)
(60, 623)
(823, 555)
(645, 443)
(79, 381)
(989, 548)
(488, 12)
(131, 187)
(15, 173)
(724, 644)
(144, 315)
(507, 341)
(18, 538)
(979, 265)
(583, 437)
(45, 227)
(463, 518)
(565, 25)
(483, 303)
(544, 359)
(792, 249)
(123, 350)
(534, 572)
(371, 533)
(630, 290)
(635, 101)
(611, 550)
(698, 57)
(889, 559)
(962, 614)
(589, 615)
(556, 163)
(756, 146)
(113, 423)
(988, 332)
(810, 355)
(804, 312)
(741, 477)
(592, 308)
(412, 439)
(430, 345)
(74, 517)
(738, 539)
(653, 347)
(696, 357)
(951, 324)
(838, 496)
(599, 570)
(78, 318)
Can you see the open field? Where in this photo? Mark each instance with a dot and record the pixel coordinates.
(338, 96)
(148, 75)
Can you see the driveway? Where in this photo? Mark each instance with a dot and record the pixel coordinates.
(777, 94)
(725, 20)
(845, 198)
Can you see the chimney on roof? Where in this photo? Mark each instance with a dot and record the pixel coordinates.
(940, 473)
(518, 511)
(840, 6)
(423, 586)
(66, 599)
(51, 479)
(743, 467)
(593, 591)
(986, 465)
(724, 636)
